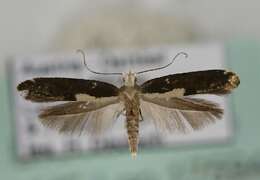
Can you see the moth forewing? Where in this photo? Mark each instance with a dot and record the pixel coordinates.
(65, 89)
(192, 83)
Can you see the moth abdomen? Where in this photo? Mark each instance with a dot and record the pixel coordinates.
(132, 125)
(130, 97)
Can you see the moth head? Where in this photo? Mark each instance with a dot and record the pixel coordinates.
(129, 79)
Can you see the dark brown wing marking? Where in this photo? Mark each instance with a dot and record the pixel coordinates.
(64, 89)
(200, 82)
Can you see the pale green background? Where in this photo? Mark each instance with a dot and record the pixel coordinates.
(238, 159)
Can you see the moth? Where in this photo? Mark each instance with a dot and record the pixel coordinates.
(168, 102)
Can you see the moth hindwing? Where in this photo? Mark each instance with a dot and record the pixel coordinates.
(93, 106)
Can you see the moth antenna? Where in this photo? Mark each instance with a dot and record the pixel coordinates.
(90, 70)
(155, 69)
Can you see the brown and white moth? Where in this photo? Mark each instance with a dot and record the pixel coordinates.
(93, 106)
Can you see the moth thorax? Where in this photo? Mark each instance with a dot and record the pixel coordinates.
(129, 79)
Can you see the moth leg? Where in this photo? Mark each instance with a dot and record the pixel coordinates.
(121, 112)
(141, 116)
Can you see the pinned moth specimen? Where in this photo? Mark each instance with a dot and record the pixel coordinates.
(93, 106)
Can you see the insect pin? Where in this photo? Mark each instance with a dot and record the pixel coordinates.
(93, 106)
